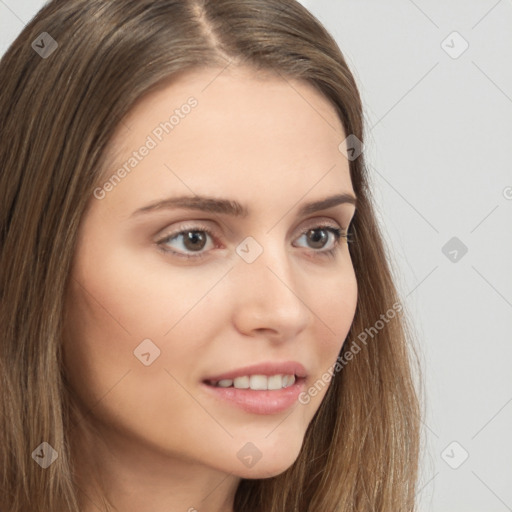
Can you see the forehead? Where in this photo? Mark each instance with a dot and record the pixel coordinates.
(245, 133)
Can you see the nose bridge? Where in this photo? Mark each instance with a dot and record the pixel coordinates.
(266, 262)
(269, 288)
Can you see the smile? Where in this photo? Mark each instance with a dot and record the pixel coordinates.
(256, 382)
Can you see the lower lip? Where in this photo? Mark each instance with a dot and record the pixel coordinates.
(260, 402)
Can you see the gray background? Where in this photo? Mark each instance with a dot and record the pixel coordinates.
(439, 139)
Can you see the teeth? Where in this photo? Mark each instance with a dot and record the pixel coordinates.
(288, 380)
(257, 382)
(275, 382)
(241, 382)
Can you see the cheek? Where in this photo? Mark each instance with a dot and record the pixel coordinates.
(336, 306)
(335, 309)
(120, 309)
(109, 378)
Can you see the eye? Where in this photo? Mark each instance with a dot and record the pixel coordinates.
(320, 236)
(194, 239)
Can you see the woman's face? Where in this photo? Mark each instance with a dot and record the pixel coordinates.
(163, 299)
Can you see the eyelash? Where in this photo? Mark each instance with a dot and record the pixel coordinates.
(337, 232)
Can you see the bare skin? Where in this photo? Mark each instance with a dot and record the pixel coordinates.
(154, 437)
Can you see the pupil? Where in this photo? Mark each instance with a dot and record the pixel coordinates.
(192, 238)
(321, 238)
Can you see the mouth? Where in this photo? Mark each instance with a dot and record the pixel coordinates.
(257, 394)
(269, 387)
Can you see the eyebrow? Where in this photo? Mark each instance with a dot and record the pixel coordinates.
(234, 208)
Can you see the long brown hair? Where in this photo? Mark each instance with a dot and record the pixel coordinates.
(58, 111)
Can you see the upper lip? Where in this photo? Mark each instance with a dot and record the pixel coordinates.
(265, 368)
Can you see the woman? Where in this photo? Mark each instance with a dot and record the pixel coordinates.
(185, 326)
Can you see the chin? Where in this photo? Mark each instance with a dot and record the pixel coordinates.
(261, 471)
(269, 461)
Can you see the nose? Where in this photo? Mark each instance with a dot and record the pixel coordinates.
(270, 296)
